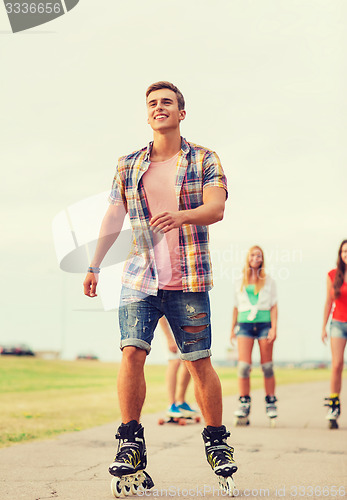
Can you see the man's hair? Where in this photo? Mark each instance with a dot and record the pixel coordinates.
(170, 86)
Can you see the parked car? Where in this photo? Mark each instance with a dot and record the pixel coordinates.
(87, 356)
(16, 350)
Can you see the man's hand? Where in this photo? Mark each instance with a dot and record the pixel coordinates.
(172, 346)
(89, 284)
(165, 221)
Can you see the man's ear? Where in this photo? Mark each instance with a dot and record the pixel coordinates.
(182, 114)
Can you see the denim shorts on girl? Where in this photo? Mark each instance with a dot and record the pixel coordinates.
(338, 329)
(139, 314)
(253, 330)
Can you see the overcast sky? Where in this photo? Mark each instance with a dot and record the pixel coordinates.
(264, 84)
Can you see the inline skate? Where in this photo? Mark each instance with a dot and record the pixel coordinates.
(241, 415)
(333, 402)
(220, 456)
(128, 467)
(271, 409)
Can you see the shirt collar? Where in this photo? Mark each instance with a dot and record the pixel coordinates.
(185, 148)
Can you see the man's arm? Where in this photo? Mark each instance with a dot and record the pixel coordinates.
(110, 228)
(211, 211)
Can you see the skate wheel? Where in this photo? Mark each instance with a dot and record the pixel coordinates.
(182, 421)
(230, 486)
(134, 489)
(241, 422)
(333, 424)
(161, 421)
(227, 485)
(115, 487)
(126, 490)
(272, 423)
(197, 419)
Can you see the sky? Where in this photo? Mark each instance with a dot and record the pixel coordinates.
(264, 84)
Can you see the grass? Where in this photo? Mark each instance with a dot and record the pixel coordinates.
(40, 399)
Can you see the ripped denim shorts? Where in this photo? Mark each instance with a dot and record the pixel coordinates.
(139, 315)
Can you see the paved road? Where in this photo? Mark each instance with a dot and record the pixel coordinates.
(300, 458)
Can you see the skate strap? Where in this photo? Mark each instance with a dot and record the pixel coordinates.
(221, 447)
(130, 444)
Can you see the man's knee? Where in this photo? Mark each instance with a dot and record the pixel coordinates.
(199, 366)
(244, 369)
(268, 369)
(134, 355)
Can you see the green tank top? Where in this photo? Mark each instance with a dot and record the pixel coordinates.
(261, 317)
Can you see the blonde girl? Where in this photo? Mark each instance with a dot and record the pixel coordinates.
(255, 318)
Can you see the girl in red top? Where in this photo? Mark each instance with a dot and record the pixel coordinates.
(336, 302)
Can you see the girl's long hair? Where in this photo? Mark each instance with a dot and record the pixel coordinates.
(260, 272)
(340, 273)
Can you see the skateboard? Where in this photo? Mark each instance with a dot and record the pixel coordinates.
(179, 420)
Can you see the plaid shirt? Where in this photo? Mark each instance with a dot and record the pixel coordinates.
(197, 168)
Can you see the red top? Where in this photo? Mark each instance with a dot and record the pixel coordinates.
(340, 310)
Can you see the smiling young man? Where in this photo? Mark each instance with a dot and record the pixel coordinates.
(172, 190)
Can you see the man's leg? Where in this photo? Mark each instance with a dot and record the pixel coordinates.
(131, 456)
(208, 391)
(189, 317)
(138, 319)
(131, 383)
(183, 379)
(171, 379)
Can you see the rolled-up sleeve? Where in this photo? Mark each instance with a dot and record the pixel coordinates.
(117, 194)
(213, 174)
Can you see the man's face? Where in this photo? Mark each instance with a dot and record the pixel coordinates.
(162, 110)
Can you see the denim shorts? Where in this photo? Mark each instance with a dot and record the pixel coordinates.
(139, 315)
(338, 329)
(253, 330)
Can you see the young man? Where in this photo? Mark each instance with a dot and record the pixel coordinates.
(172, 190)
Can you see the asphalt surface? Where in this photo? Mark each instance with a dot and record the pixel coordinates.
(300, 458)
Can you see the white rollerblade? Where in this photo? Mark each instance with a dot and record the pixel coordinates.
(271, 409)
(241, 415)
